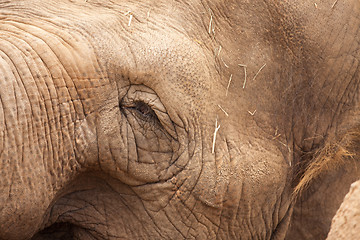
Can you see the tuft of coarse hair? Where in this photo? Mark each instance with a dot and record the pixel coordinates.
(342, 153)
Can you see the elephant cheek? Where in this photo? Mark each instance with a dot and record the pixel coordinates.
(105, 142)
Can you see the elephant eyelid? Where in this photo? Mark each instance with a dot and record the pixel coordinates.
(143, 110)
(150, 112)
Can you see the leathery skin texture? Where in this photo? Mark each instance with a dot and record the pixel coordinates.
(176, 119)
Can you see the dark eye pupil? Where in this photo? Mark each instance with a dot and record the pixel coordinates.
(144, 109)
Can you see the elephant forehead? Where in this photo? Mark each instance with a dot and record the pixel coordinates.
(170, 62)
(181, 65)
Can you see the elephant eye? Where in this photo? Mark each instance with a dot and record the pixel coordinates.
(140, 105)
(144, 111)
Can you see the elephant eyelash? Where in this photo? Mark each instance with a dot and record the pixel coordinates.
(144, 111)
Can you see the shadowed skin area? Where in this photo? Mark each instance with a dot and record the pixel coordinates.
(176, 119)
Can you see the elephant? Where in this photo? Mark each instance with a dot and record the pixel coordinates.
(345, 224)
(176, 119)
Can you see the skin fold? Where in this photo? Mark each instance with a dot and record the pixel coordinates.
(176, 119)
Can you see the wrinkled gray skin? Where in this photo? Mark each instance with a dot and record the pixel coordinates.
(107, 118)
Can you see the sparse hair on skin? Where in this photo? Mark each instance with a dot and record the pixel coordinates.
(331, 157)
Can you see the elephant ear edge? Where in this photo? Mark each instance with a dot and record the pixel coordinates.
(346, 223)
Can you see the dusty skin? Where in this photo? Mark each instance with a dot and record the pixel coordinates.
(168, 119)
